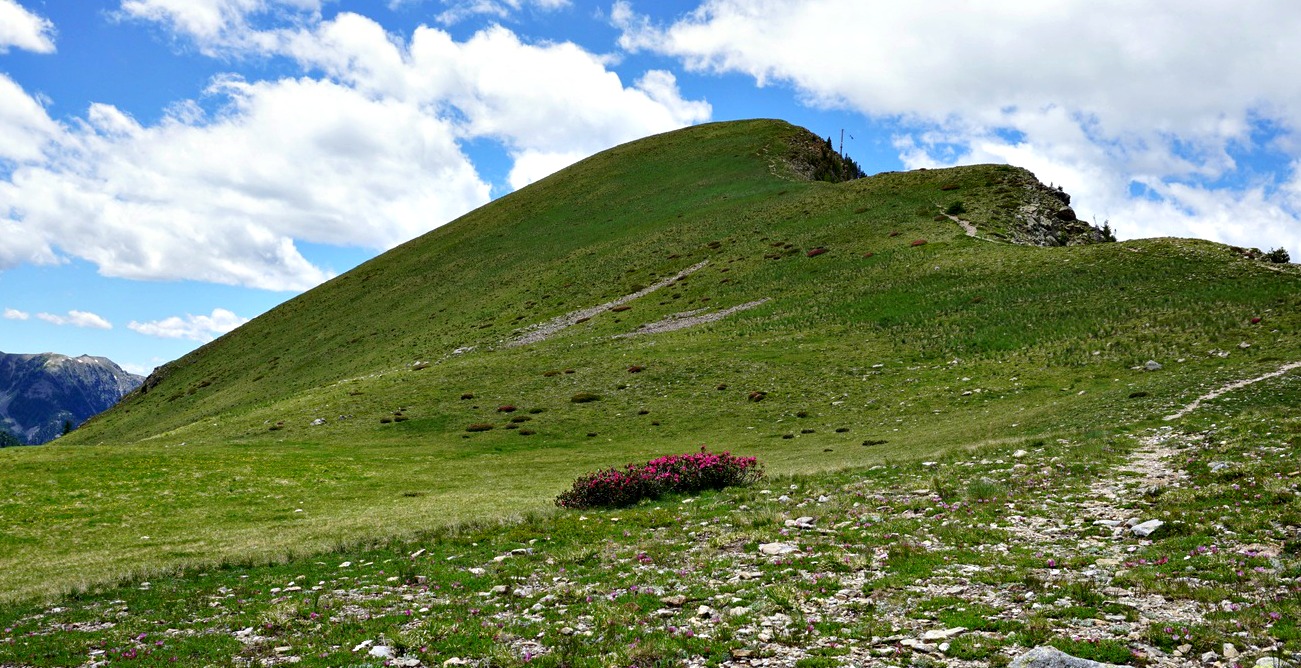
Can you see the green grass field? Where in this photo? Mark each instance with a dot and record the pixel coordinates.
(932, 348)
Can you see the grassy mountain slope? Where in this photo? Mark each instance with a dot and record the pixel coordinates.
(916, 348)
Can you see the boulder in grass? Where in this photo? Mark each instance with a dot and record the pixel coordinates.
(1051, 657)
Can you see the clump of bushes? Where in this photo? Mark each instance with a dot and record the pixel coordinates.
(479, 426)
(520, 418)
(758, 395)
(636, 369)
(618, 488)
(467, 396)
(584, 398)
(508, 408)
(918, 242)
(550, 374)
(1278, 256)
(956, 209)
(816, 252)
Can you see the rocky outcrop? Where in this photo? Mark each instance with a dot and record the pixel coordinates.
(1045, 216)
(42, 395)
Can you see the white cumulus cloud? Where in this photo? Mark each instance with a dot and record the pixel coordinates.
(15, 314)
(218, 26)
(76, 319)
(22, 29)
(362, 150)
(193, 327)
(1130, 94)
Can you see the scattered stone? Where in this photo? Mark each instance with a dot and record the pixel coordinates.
(1051, 657)
(380, 651)
(1244, 345)
(675, 601)
(1229, 651)
(943, 634)
(363, 645)
(456, 661)
(477, 572)
(704, 611)
(1270, 662)
(1019, 454)
(777, 549)
(742, 654)
(500, 589)
(318, 422)
(918, 646)
(1152, 365)
(1147, 528)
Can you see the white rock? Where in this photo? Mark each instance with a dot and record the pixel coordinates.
(1269, 662)
(1147, 528)
(477, 572)
(943, 634)
(1152, 365)
(704, 611)
(1230, 652)
(381, 651)
(363, 645)
(1019, 454)
(777, 549)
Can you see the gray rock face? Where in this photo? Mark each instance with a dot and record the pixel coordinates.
(1051, 657)
(1044, 219)
(40, 393)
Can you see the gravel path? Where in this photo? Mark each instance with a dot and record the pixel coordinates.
(1237, 385)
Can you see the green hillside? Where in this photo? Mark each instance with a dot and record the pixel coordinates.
(342, 415)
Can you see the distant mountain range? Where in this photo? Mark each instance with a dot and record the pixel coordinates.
(43, 395)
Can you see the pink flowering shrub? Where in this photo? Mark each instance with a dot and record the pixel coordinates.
(617, 488)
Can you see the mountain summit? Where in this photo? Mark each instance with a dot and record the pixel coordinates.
(41, 396)
(730, 255)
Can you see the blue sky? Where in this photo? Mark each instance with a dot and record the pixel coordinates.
(172, 168)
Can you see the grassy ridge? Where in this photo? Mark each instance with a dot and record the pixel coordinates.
(930, 348)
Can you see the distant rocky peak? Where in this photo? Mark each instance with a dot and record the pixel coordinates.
(42, 394)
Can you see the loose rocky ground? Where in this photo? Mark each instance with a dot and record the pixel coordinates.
(1165, 547)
